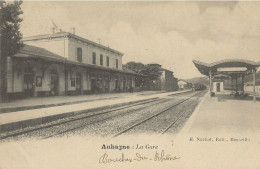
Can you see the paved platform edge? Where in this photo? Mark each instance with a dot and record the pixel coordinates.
(21, 108)
(8, 127)
(189, 123)
(38, 106)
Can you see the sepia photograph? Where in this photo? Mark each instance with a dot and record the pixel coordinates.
(129, 84)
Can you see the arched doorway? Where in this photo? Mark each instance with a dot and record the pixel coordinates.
(124, 84)
(78, 83)
(28, 87)
(93, 81)
(117, 87)
(100, 84)
(106, 85)
(54, 83)
(93, 85)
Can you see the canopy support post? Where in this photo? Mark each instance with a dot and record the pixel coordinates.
(236, 83)
(210, 83)
(232, 83)
(254, 93)
(243, 81)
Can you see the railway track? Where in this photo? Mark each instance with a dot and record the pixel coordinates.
(157, 114)
(143, 105)
(105, 130)
(52, 124)
(175, 121)
(99, 117)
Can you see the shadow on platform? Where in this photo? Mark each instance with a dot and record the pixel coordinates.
(223, 98)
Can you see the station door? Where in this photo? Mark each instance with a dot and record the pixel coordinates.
(78, 84)
(28, 84)
(218, 87)
(54, 84)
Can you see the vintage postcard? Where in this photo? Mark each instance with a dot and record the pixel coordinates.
(130, 85)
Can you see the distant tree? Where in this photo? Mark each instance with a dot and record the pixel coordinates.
(135, 66)
(10, 37)
(152, 71)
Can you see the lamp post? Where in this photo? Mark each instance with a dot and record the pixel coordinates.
(210, 83)
(254, 93)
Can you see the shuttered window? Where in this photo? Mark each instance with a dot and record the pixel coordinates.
(107, 61)
(117, 63)
(94, 58)
(79, 54)
(101, 60)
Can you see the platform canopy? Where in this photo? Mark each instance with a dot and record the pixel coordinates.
(234, 68)
(229, 67)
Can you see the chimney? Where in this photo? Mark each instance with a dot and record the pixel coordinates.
(73, 30)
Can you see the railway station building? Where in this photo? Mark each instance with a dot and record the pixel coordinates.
(62, 63)
(227, 76)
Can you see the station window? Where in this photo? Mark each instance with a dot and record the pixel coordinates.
(79, 54)
(101, 59)
(94, 58)
(117, 63)
(107, 61)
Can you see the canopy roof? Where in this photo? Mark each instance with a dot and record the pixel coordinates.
(205, 68)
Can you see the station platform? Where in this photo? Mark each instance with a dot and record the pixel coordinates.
(41, 102)
(35, 111)
(224, 115)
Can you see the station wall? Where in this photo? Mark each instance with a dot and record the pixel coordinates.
(55, 45)
(87, 53)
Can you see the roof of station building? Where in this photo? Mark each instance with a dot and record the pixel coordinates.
(71, 35)
(28, 50)
(33, 52)
(204, 68)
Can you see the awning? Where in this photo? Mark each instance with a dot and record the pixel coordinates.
(32, 52)
(228, 66)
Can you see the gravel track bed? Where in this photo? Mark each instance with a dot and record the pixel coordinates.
(159, 123)
(112, 126)
(45, 132)
(73, 128)
(181, 122)
(100, 125)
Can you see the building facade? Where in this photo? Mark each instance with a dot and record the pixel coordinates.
(166, 81)
(75, 48)
(182, 84)
(175, 83)
(66, 64)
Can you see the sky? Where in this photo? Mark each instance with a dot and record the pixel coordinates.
(169, 33)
